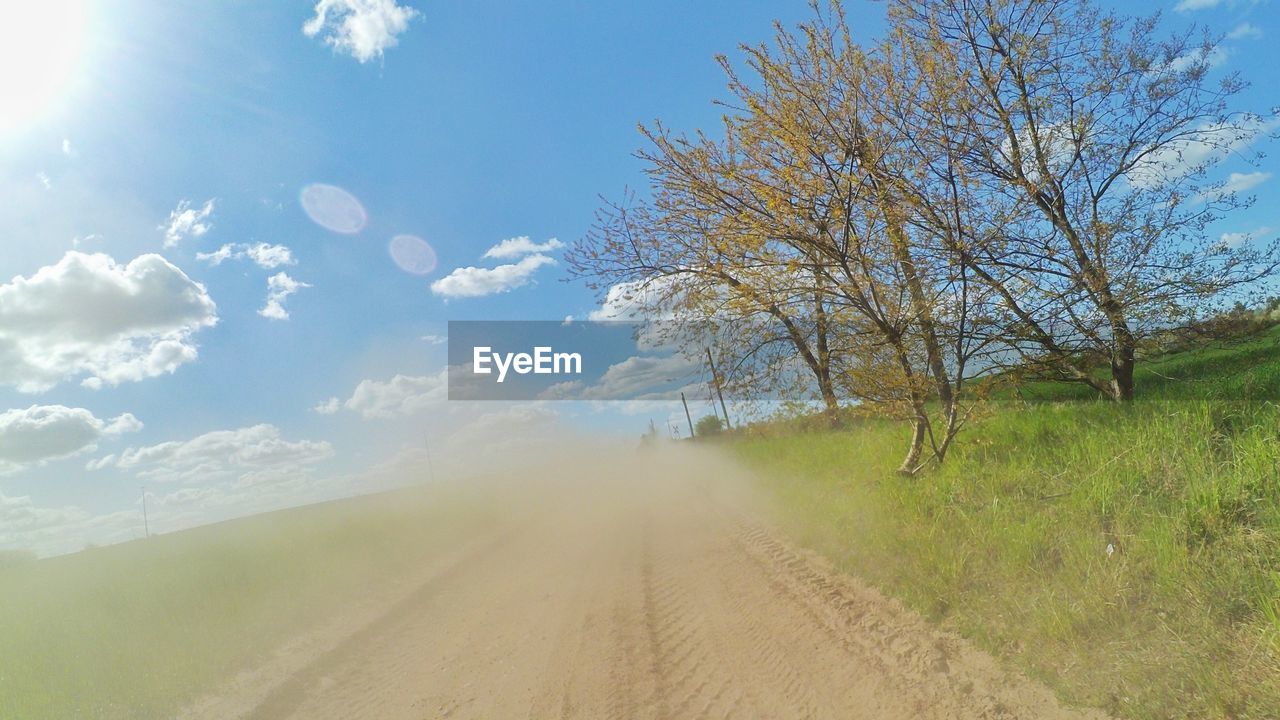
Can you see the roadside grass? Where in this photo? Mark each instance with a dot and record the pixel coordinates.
(137, 630)
(1243, 369)
(1008, 542)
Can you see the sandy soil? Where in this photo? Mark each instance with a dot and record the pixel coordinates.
(653, 598)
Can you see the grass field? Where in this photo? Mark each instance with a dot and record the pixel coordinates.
(1128, 556)
(138, 629)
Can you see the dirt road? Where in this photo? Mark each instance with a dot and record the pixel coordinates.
(625, 599)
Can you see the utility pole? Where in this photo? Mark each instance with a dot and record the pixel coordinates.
(146, 527)
(687, 416)
(715, 377)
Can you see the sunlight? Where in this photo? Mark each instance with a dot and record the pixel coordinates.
(38, 56)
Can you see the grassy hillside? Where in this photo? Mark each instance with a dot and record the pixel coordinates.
(1128, 556)
(137, 629)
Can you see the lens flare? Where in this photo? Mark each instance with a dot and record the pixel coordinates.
(412, 254)
(333, 208)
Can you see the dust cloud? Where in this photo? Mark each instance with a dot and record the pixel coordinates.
(602, 580)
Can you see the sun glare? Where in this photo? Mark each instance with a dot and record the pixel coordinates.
(38, 56)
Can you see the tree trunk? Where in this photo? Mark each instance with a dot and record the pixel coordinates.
(823, 370)
(1122, 357)
(928, 331)
(920, 415)
(953, 427)
(919, 429)
(831, 406)
(1122, 363)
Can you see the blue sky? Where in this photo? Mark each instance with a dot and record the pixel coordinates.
(460, 124)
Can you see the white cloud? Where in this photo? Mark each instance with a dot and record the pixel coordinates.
(634, 376)
(435, 339)
(269, 256)
(186, 221)
(1212, 58)
(89, 316)
(18, 513)
(401, 395)
(636, 300)
(121, 424)
(1190, 5)
(279, 287)
(1245, 31)
(44, 180)
(264, 255)
(637, 384)
(52, 530)
(328, 407)
(221, 454)
(477, 282)
(640, 407)
(1235, 183)
(219, 256)
(622, 302)
(99, 463)
(1236, 239)
(55, 530)
(46, 432)
(1240, 182)
(1210, 143)
(1193, 5)
(520, 246)
(67, 148)
(363, 29)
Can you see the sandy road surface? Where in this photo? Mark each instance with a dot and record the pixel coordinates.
(626, 599)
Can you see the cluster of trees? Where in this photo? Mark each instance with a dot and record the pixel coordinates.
(996, 184)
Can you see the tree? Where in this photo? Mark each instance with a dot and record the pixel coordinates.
(1000, 183)
(817, 166)
(802, 216)
(661, 259)
(1090, 141)
(708, 426)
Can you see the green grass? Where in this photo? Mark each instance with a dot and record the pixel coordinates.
(1235, 370)
(138, 629)
(1007, 543)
